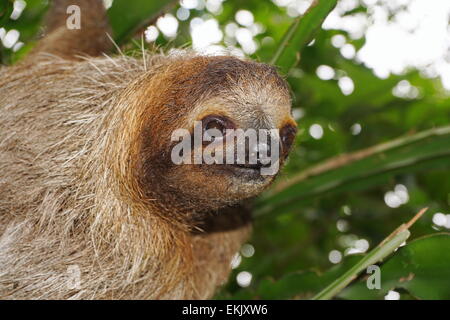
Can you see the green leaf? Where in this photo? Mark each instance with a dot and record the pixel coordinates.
(384, 249)
(6, 8)
(303, 285)
(422, 268)
(296, 285)
(300, 33)
(127, 17)
(28, 25)
(360, 170)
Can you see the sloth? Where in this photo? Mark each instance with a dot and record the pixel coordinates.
(91, 205)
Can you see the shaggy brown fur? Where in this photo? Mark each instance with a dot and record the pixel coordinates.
(86, 177)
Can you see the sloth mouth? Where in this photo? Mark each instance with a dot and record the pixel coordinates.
(244, 172)
(256, 166)
(247, 171)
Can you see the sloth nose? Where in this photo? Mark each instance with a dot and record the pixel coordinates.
(263, 151)
(260, 151)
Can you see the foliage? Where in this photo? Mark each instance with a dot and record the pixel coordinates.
(332, 192)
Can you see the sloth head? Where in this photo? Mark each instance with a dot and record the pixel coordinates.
(194, 108)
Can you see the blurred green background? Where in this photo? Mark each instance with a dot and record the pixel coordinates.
(373, 146)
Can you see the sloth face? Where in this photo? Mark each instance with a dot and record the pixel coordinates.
(231, 151)
(244, 154)
(228, 130)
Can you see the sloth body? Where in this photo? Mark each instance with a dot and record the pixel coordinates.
(86, 179)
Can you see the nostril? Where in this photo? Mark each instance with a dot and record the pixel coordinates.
(263, 153)
(253, 151)
(263, 148)
(258, 155)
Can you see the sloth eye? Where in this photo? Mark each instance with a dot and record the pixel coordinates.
(217, 122)
(287, 135)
